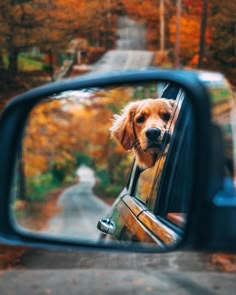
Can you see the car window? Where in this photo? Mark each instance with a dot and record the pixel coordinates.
(163, 188)
(176, 182)
(146, 186)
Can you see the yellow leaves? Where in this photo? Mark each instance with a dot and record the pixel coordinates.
(41, 135)
(59, 130)
(34, 164)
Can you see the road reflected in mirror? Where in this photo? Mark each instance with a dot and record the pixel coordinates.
(74, 217)
(107, 164)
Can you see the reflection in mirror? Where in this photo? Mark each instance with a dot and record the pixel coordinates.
(70, 175)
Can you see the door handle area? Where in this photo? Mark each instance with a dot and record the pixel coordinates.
(106, 226)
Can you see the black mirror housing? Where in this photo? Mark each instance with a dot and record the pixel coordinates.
(210, 225)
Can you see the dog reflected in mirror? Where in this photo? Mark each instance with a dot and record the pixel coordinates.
(144, 127)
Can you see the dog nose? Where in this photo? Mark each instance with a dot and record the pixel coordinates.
(153, 133)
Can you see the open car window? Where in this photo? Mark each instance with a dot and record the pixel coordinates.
(148, 181)
(173, 188)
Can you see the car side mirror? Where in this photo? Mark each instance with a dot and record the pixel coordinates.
(160, 183)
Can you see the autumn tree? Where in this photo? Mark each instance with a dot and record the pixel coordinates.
(190, 23)
(51, 24)
(222, 50)
(24, 24)
(75, 125)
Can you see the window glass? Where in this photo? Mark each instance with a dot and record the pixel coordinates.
(143, 187)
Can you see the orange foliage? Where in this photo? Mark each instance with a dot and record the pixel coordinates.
(73, 128)
(10, 255)
(190, 23)
(43, 142)
(146, 10)
(37, 215)
(59, 129)
(225, 262)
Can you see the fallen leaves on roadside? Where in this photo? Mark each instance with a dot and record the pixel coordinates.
(224, 262)
(9, 255)
(36, 215)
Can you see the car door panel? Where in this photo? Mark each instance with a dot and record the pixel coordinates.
(134, 205)
(128, 227)
(164, 233)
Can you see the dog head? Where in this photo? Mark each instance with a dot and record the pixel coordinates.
(142, 126)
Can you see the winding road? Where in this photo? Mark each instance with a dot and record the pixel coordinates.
(80, 209)
(130, 52)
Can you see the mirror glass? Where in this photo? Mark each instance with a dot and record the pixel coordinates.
(107, 164)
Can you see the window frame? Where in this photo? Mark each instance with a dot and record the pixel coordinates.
(136, 172)
(163, 203)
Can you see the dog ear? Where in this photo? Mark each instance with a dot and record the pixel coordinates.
(122, 127)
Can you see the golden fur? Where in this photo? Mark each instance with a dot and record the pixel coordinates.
(141, 127)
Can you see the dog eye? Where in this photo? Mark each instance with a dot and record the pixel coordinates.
(140, 119)
(166, 117)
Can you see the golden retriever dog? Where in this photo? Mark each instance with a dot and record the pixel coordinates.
(143, 126)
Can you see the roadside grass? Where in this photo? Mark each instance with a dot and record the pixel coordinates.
(28, 62)
(27, 65)
(38, 187)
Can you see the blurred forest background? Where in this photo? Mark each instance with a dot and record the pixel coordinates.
(36, 37)
(78, 122)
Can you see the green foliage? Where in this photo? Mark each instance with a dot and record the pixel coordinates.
(28, 62)
(60, 173)
(110, 184)
(47, 68)
(83, 159)
(38, 186)
(104, 187)
(60, 170)
(144, 91)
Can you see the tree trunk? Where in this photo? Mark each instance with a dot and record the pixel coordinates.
(1, 61)
(203, 33)
(22, 190)
(13, 61)
(21, 175)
